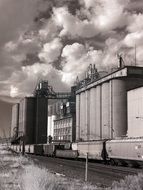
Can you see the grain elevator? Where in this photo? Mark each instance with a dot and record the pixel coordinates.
(101, 103)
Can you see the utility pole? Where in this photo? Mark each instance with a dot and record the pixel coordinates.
(23, 145)
(86, 167)
(135, 55)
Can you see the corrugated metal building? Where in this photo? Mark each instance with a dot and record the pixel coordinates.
(135, 112)
(101, 104)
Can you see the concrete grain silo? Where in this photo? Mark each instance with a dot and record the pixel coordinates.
(78, 116)
(101, 104)
(87, 115)
(93, 110)
(98, 121)
(119, 107)
(105, 114)
(83, 130)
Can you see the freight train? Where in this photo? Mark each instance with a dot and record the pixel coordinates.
(126, 151)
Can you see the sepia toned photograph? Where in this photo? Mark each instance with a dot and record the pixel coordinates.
(71, 94)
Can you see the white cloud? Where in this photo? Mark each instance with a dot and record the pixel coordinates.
(13, 91)
(76, 59)
(97, 21)
(72, 25)
(136, 23)
(48, 31)
(107, 15)
(51, 51)
(23, 82)
(10, 46)
(133, 39)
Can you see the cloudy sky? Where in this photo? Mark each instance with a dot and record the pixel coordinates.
(57, 40)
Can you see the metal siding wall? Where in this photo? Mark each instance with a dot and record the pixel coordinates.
(78, 117)
(105, 111)
(93, 110)
(119, 106)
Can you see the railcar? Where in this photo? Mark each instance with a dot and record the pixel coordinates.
(38, 149)
(127, 151)
(31, 149)
(27, 149)
(67, 154)
(95, 149)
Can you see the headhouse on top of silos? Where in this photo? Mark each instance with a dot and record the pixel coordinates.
(101, 104)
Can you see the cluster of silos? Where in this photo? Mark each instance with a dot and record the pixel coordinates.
(101, 107)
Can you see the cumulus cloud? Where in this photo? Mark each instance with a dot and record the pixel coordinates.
(64, 41)
(136, 23)
(76, 59)
(51, 51)
(23, 82)
(49, 30)
(72, 25)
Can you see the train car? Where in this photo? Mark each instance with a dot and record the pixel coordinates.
(127, 151)
(74, 146)
(67, 146)
(95, 149)
(27, 149)
(15, 148)
(20, 148)
(67, 154)
(38, 149)
(49, 149)
(31, 149)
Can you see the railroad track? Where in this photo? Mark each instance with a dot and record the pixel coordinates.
(97, 173)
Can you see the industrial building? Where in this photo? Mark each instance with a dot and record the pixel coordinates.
(65, 123)
(101, 103)
(32, 117)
